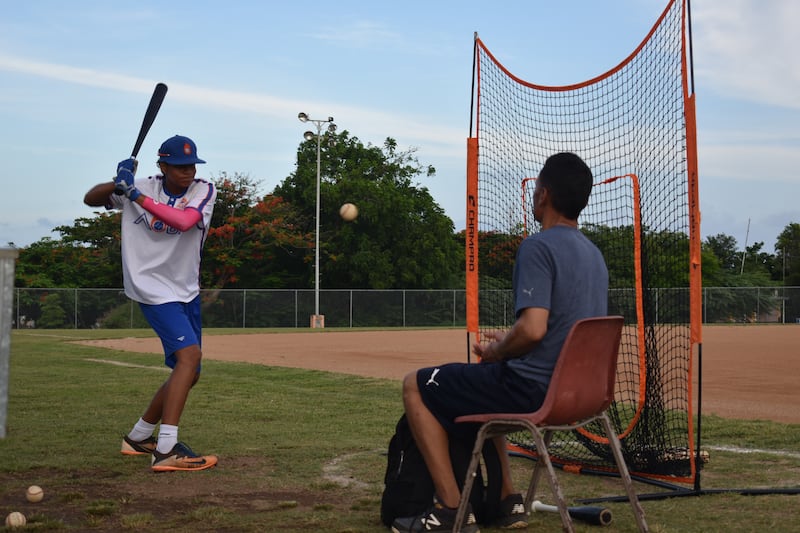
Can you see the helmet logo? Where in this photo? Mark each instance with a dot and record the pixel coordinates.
(187, 149)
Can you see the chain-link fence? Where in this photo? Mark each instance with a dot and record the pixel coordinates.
(247, 308)
(292, 308)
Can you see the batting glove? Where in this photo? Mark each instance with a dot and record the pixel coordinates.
(123, 183)
(129, 164)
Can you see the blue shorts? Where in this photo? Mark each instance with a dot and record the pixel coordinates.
(457, 389)
(177, 324)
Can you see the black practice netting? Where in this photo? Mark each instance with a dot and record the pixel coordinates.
(630, 126)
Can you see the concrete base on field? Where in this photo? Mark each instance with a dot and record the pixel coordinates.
(317, 321)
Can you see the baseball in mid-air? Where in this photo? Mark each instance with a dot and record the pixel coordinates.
(15, 520)
(34, 494)
(348, 212)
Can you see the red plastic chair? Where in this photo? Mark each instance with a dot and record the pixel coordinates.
(580, 391)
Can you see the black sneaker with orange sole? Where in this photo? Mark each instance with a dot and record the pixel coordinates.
(138, 447)
(181, 458)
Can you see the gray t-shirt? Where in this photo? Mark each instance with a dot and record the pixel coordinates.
(561, 270)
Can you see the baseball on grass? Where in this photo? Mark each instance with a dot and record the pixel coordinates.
(34, 493)
(348, 212)
(15, 520)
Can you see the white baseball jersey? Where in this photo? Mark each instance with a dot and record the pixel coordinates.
(159, 263)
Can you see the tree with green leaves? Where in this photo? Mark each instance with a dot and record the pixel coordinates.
(87, 255)
(726, 268)
(401, 238)
(723, 247)
(727, 280)
(253, 242)
(787, 261)
(53, 315)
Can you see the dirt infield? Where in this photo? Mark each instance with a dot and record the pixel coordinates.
(749, 372)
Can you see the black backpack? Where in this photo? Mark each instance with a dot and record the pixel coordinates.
(408, 486)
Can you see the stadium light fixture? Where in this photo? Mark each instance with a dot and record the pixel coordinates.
(317, 320)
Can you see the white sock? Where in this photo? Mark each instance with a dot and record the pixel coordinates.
(141, 430)
(167, 438)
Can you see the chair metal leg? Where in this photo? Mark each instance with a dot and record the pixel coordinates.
(616, 448)
(469, 479)
(531, 494)
(544, 455)
(537, 472)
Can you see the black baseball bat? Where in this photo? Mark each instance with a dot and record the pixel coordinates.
(149, 117)
(597, 516)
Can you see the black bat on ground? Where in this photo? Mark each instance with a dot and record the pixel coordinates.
(149, 117)
(598, 516)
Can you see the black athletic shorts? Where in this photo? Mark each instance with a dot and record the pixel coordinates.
(457, 389)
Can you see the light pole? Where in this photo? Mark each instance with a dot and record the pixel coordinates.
(317, 320)
(783, 300)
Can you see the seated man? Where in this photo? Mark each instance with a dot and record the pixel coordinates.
(560, 277)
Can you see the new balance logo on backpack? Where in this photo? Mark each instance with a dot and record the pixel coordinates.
(409, 489)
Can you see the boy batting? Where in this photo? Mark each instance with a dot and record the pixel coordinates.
(165, 221)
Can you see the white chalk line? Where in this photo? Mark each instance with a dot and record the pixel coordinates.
(129, 365)
(28, 333)
(336, 470)
(736, 449)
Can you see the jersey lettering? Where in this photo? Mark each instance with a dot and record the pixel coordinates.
(156, 225)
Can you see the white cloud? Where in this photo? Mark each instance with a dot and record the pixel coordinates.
(749, 162)
(747, 49)
(368, 122)
(82, 76)
(359, 34)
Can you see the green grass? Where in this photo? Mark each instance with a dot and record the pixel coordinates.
(288, 441)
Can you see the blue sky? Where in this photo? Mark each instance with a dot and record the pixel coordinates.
(77, 76)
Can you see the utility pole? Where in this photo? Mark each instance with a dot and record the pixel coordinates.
(744, 253)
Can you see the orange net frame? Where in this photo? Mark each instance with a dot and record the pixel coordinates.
(635, 128)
